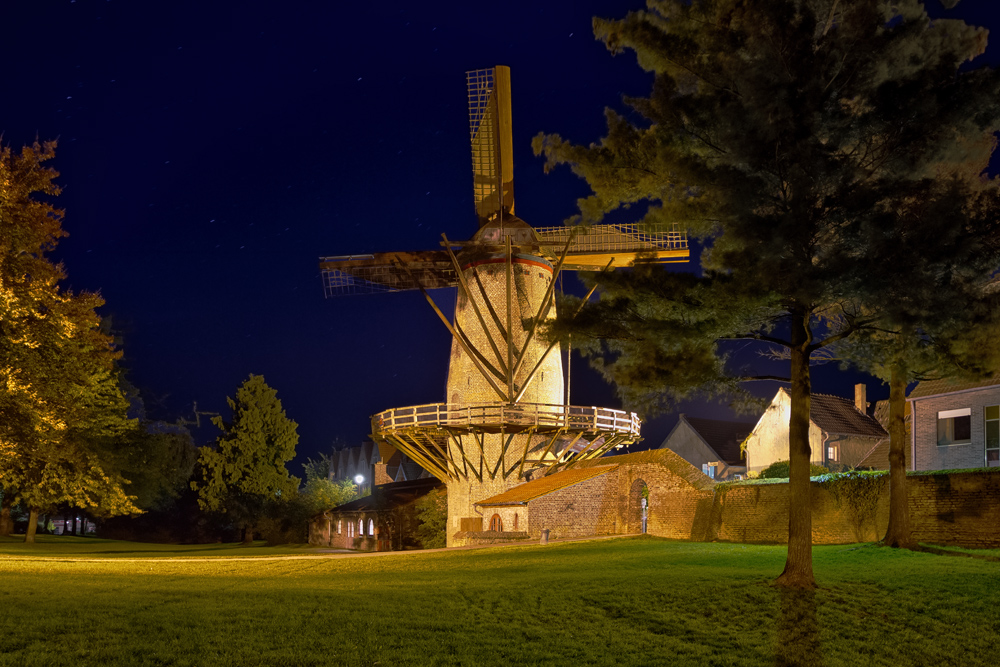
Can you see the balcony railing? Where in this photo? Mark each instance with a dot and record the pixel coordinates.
(521, 415)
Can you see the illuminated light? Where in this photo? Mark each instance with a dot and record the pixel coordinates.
(358, 479)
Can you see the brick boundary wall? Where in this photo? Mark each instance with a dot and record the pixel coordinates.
(955, 509)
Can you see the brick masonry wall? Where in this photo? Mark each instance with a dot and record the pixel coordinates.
(957, 509)
(587, 508)
(932, 456)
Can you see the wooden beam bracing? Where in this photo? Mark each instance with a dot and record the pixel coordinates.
(464, 286)
(465, 346)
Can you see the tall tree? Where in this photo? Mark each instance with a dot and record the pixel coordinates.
(781, 132)
(60, 404)
(245, 471)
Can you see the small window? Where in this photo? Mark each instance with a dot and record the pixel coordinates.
(371, 527)
(708, 470)
(496, 524)
(831, 453)
(361, 527)
(992, 436)
(340, 525)
(954, 426)
(515, 520)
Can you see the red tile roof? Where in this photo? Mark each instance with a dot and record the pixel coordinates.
(544, 486)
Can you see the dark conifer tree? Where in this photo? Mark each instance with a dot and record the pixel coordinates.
(781, 132)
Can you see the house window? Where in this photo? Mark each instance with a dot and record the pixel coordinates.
(496, 524)
(361, 527)
(340, 525)
(371, 527)
(992, 436)
(515, 520)
(831, 453)
(708, 470)
(955, 426)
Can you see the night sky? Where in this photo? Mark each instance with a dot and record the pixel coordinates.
(211, 151)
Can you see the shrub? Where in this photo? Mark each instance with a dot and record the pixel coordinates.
(779, 470)
(432, 513)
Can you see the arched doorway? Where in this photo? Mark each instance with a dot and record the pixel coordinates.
(496, 524)
(638, 507)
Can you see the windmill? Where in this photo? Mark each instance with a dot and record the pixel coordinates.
(505, 419)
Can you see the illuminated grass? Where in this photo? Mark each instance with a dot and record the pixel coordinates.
(636, 601)
(71, 546)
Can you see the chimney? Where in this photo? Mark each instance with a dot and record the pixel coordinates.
(860, 399)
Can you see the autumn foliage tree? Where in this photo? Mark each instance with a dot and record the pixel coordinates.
(788, 135)
(244, 472)
(61, 407)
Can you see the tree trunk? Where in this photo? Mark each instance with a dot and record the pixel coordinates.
(29, 534)
(247, 535)
(897, 534)
(798, 571)
(6, 523)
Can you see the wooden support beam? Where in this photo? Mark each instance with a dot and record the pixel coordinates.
(460, 473)
(543, 308)
(464, 286)
(430, 454)
(466, 463)
(461, 341)
(419, 457)
(503, 454)
(510, 326)
(489, 305)
(541, 359)
(498, 373)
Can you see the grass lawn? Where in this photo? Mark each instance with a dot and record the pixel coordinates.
(633, 601)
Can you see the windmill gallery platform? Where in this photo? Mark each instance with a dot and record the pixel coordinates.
(505, 420)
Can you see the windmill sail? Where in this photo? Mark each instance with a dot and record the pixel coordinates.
(386, 272)
(492, 143)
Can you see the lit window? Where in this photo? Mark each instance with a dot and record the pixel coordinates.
(371, 527)
(954, 426)
(496, 524)
(361, 527)
(992, 436)
(340, 525)
(708, 470)
(831, 453)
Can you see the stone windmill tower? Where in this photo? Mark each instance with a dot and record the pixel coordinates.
(505, 419)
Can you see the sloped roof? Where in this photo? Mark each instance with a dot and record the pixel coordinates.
(545, 485)
(882, 414)
(725, 437)
(667, 458)
(948, 385)
(387, 496)
(878, 457)
(838, 415)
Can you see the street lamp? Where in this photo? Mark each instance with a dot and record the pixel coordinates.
(358, 479)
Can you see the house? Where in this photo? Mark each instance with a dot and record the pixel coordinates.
(841, 433)
(654, 491)
(365, 461)
(383, 521)
(956, 424)
(711, 445)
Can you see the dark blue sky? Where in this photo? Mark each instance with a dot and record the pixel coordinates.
(211, 151)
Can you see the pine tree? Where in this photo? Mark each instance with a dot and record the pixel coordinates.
(245, 471)
(786, 134)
